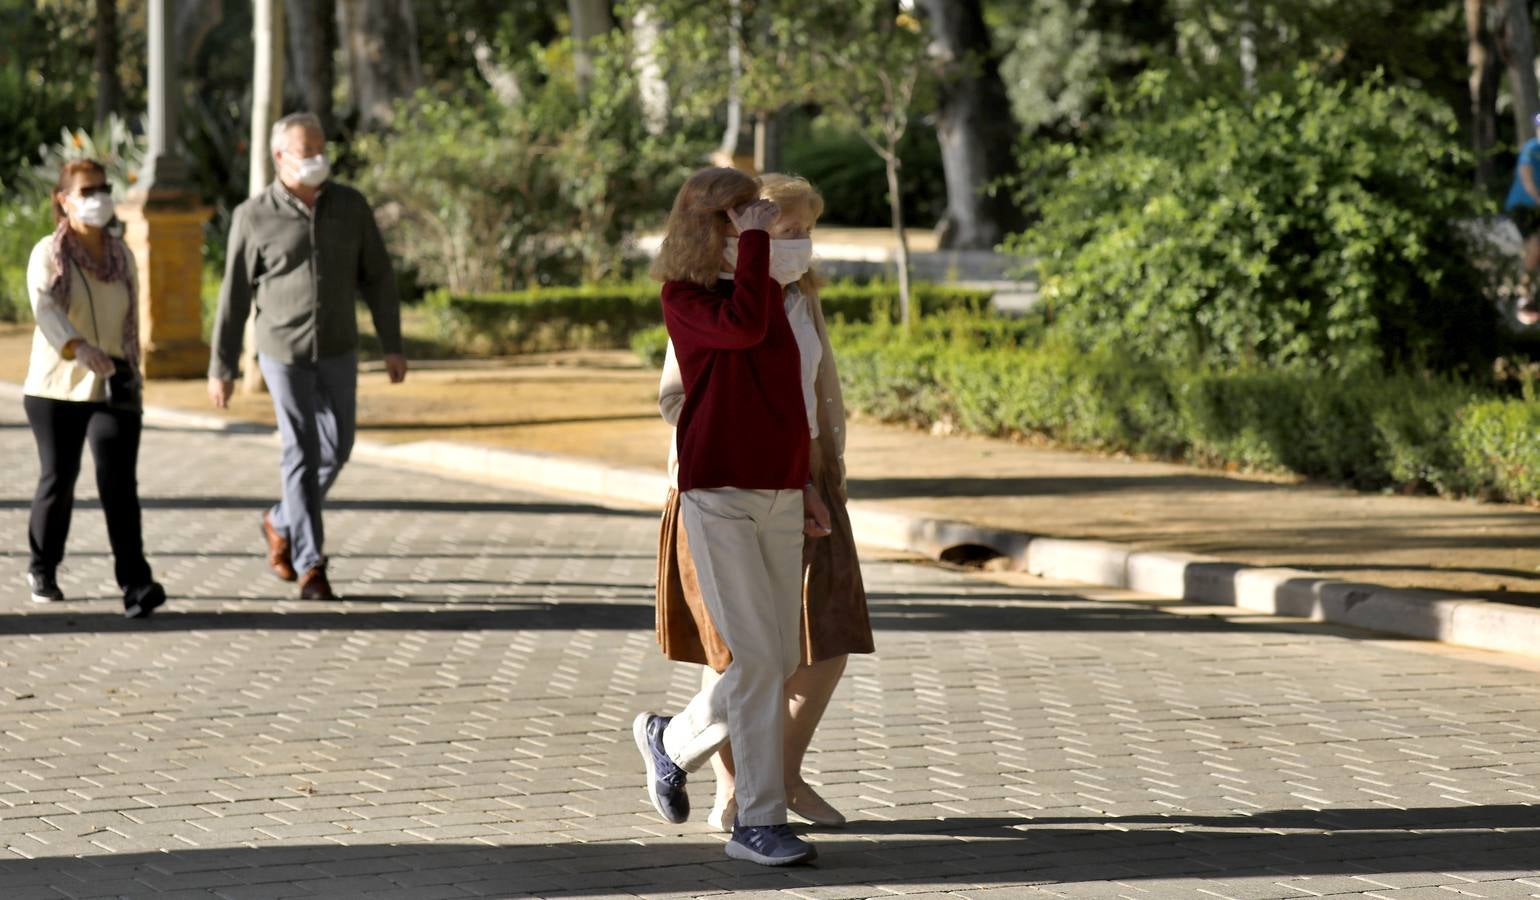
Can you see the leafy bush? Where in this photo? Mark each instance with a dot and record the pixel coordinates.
(608, 315)
(22, 224)
(1372, 431)
(1309, 226)
(651, 346)
(480, 196)
(119, 147)
(852, 179)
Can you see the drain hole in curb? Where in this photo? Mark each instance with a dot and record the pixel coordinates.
(976, 556)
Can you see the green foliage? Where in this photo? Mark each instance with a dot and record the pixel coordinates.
(478, 196)
(651, 346)
(1015, 379)
(609, 315)
(847, 174)
(1311, 226)
(114, 144)
(23, 223)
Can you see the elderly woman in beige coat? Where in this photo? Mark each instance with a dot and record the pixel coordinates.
(834, 615)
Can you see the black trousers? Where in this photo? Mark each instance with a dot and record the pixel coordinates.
(62, 428)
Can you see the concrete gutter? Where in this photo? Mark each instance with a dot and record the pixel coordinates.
(1296, 593)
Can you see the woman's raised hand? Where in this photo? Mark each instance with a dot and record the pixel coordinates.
(760, 214)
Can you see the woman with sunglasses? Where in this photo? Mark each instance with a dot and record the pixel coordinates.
(83, 385)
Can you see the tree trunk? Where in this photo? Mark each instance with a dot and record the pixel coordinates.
(109, 87)
(1485, 75)
(646, 31)
(1518, 46)
(896, 208)
(590, 19)
(380, 39)
(727, 153)
(311, 29)
(194, 20)
(266, 108)
(973, 125)
(767, 142)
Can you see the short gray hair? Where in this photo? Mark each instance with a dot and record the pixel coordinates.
(278, 139)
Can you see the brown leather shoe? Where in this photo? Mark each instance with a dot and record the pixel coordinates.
(315, 586)
(277, 550)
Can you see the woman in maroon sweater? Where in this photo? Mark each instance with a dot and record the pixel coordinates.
(745, 501)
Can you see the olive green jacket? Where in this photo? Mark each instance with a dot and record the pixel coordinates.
(302, 269)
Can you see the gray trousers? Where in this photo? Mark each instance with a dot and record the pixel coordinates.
(317, 409)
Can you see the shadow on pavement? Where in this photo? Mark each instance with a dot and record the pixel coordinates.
(926, 611)
(342, 505)
(943, 853)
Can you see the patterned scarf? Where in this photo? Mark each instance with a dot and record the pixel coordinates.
(69, 252)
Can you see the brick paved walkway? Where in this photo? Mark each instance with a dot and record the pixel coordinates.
(460, 726)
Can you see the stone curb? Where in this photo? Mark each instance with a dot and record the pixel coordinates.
(1428, 615)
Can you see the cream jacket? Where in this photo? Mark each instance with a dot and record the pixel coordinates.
(49, 374)
(829, 446)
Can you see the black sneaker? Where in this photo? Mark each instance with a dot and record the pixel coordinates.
(45, 589)
(769, 845)
(139, 602)
(665, 781)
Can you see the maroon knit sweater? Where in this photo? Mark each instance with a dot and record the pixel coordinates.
(743, 424)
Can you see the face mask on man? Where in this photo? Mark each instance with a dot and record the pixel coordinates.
(790, 259)
(312, 170)
(95, 210)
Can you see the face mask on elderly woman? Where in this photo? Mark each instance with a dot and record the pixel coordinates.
(789, 259)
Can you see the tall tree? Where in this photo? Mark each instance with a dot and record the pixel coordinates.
(867, 67)
(109, 85)
(973, 124)
(591, 19)
(1517, 41)
(311, 27)
(1485, 77)
(384, 65)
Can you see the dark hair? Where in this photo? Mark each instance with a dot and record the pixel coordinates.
(67, 174)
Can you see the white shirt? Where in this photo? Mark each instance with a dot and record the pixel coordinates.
(49, 374)
(809, 347)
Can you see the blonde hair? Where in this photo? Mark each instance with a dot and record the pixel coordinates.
(696, 231)
(795, 195)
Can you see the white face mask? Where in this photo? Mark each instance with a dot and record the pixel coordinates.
(730, 255)
(312, 170)
(95, 210)
(790, 259)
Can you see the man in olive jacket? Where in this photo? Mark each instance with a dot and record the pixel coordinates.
(301, 251)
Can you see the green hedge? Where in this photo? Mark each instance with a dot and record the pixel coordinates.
(608, 315)
(1371, 431)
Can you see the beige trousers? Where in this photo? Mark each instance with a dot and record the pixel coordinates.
(747, 550)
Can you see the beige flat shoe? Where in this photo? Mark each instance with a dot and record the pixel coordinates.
(805, 802)
(722, 817)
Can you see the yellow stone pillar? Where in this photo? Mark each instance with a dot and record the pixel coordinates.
(167, 241)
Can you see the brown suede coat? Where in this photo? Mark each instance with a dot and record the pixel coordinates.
(835, 620)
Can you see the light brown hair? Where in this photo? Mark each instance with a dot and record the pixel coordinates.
(67, 173)
(697, 226)
(796, 196)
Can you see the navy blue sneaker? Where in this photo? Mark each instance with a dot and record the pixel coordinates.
(665, 781)
(769, 845)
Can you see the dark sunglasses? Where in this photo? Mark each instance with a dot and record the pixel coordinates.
(91, 190)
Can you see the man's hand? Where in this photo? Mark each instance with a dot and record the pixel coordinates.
(760, 214)
(395, 367)
(94, 358)
(220, 390)
(815, 514)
